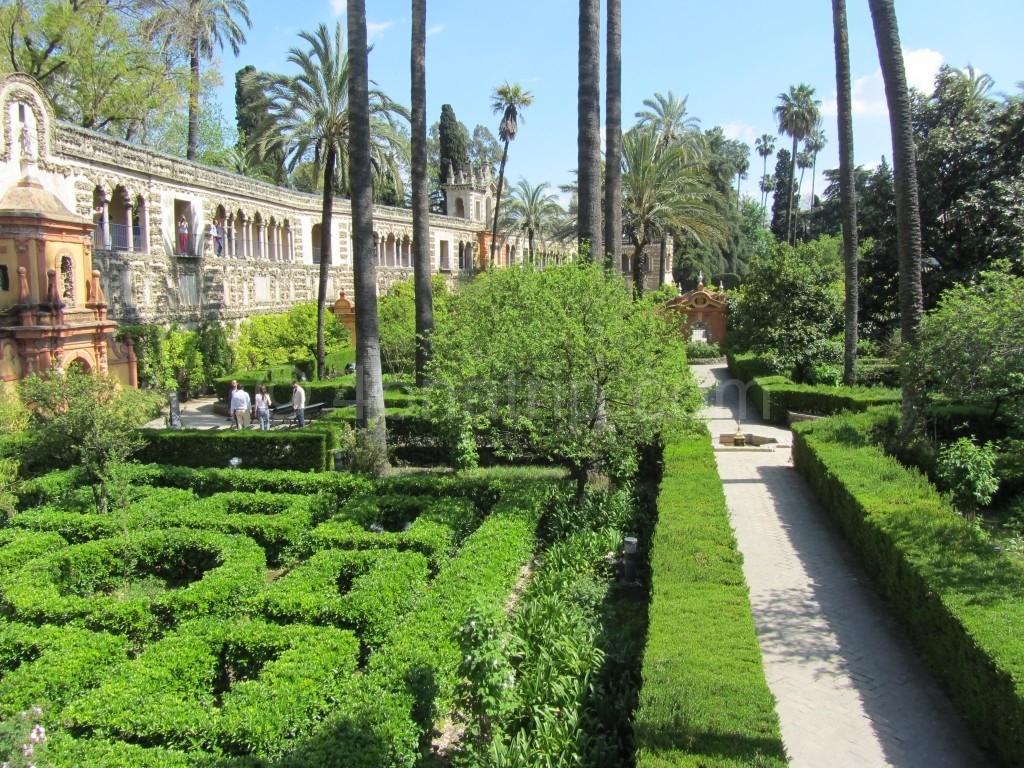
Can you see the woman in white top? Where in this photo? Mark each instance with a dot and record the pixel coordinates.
(262, 405)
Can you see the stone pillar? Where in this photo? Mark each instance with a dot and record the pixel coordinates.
(105, 223)
(130, 236)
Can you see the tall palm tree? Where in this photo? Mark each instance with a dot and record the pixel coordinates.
(667, 116)
(803, 162)
(369, 377)
(813, 144)
(199, 28)
(765, 146)
(767, 186)
(613, 139)
(310, 113)
(508, 101)
(908, 217)
(742, 164)
(980, 83)
(664, 187)
(847, 190)
(420, 192)
(588, 141)
(797, 114)
(532, 210)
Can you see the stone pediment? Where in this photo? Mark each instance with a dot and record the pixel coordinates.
(700, 298)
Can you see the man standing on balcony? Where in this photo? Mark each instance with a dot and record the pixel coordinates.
(182, 235)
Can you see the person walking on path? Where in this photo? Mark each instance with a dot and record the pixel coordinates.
(299, 403)
(182, 235)
(239, 406)
(263, 405)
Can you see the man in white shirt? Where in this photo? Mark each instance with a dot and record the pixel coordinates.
(240, 407)
(299, 403)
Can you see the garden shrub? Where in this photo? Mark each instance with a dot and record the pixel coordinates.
(433, 540)
(130, 584)
(242, 687)
(957, 595)
(210, 480)
(423, 656)
(704, 700)
(18, 546)
(52, 665)
(366, 591)
(302, 449)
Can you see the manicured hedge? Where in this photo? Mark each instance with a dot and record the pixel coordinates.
(309, 449)
(775, 396)
(423, 656)
(367, 592)
(206, 481)
(51, 665)
(433, 540)
(242, 687)
(704, 700)
(217, 573)
(959, 598)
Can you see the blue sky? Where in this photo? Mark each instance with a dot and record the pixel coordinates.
(731, 57)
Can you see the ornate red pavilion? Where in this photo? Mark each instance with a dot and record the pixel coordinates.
(702, 313)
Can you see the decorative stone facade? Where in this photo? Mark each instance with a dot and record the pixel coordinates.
(268, 255)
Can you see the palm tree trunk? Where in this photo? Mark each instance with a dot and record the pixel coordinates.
(325, 258)
(792, 181)
(193, 101)
(638, 266)
(814, 177)
(847, 190)
(420, 201)
(662, 259)
(529, 234)
(588, 141)
(369, 382)
(613, 139)
(497, 203)
(908, 218)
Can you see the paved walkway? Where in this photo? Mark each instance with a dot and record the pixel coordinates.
(195, 414)
(851, 692)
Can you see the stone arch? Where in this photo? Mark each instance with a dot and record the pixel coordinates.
(101, 218)
(241, 237)
(258, 227)
(119, 215)
(77, 360)
(406, 251)
(28, 118)
(286, 240)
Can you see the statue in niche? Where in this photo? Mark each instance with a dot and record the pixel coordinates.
(26, 143)
(67, 279)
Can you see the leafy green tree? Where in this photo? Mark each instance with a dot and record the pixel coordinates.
(397, 313)
(13, 422)
(533, 211)
(265, 340)
(508, 101)
(663, 187)
(785, 192)
(789, 303)
(813, 144)
(967, 471)
(254, 119)
(559, 362)
(453, 152)
(87, 420)
(797, 114)
(484, 149)
(972, 344)
(95, 61)
(199, 28)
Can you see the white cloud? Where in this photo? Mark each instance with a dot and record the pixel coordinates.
(737, 129)
(339, 6)
(868, 92)
(435, 29)
(377, 28)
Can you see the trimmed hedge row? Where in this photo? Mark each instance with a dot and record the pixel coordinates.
(210, 480)
(309, 449)
(367, 592)
(704, 700)
(242, 687)
(959, 598)
(775, 396)
(52, 665)
(433, 540)
(216, 574)
(422, 657)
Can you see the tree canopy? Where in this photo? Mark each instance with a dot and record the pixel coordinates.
(558, 362)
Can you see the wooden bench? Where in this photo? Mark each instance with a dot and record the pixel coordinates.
(284, 415)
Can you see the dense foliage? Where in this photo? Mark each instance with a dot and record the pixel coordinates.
(268, 340)
(181, 360)
(397, 316)
(557, 362)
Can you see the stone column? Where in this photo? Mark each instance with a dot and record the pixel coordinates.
(130, 236)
